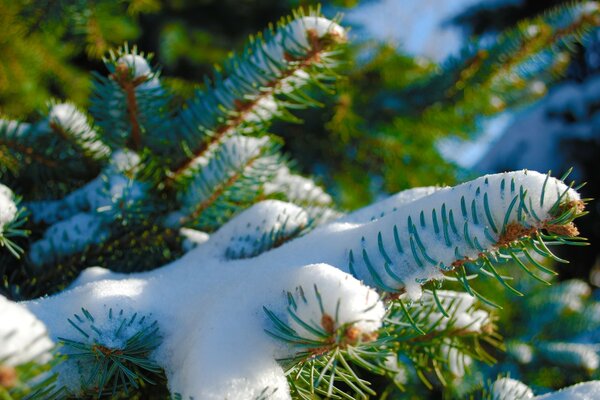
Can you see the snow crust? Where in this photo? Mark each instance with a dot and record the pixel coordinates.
(388, 205)
(206, 352)
(510, 389)
(210, 310)
(23, 337)
(297, 188)
(363, 238)
(8, 208)
(255, 225)
(193, 238)
(581, 391)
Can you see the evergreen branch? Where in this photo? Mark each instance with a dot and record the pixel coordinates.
(276, 63)
(130, 105)
(72, 126)
(443, 345)
(114, 356)
(37, 154)
(122, 77)
(226, 181)
(475, 238)
(15, 137)
(12, 219)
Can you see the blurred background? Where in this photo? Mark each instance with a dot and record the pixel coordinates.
(384, 127)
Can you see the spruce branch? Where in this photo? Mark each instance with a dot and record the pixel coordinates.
(502, 217)
(245, 96)
(225, 181)
(12, 219)
(130, 104)
(114, 354)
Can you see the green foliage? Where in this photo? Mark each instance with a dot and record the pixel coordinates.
(38, 64)
(117, 368)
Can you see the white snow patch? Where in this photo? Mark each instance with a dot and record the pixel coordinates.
(297, 188)
(510, 389)
(68, 237)
(388, 205)
(74, 123)
(581, 391)
(193, 238)
(8, 208)
(245, 234)
(23, 337)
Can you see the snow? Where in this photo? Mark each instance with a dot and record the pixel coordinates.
(294, 35)
(346, 300)
(572, 354)
(68, 237)
(388, 205)
(111, 186)
(581, 391)
(210, 310)
(521, 352)
(256, 225)
(364, 239)
(297, 188)
(137, 64)
(510, 389)
(264, 110)
(23, 337)
(193, 238)
(461, 308)
(8, 208)
(74, 123)
(458, 362)
(400, 370)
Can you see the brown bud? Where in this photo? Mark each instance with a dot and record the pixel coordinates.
(328, 323)
(352, 334)
(8, 376)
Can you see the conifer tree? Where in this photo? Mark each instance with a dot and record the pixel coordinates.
(184, 258)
